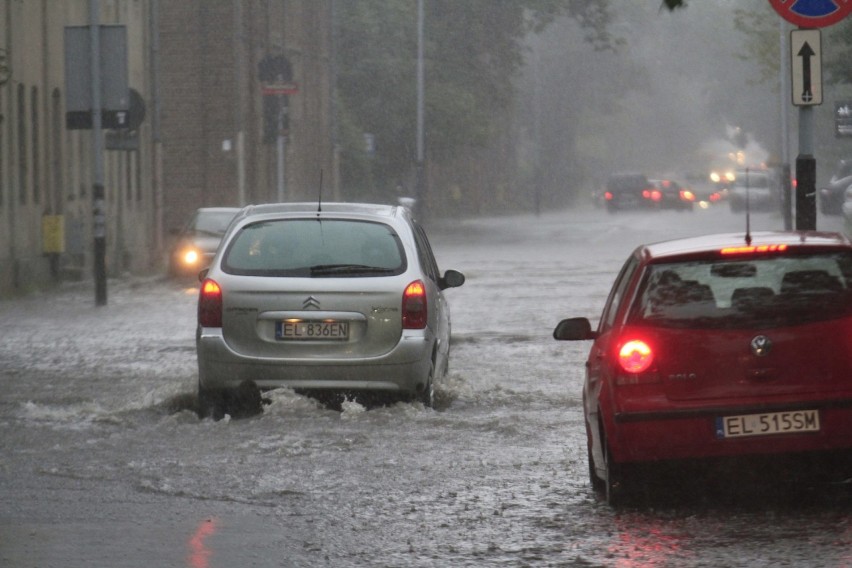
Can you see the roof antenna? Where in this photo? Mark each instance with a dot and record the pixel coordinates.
(319, 201)
(748, 210)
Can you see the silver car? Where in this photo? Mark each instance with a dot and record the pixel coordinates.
(755, 190)
(197, 242)
(334, 298)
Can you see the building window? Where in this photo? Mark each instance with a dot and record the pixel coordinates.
(57, 167)
(22, 145)
(35, 142)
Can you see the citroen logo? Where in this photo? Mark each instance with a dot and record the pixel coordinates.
(311, 302)
(761, 345)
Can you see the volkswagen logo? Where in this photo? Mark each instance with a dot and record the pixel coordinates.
(310, 302)
(761, 345)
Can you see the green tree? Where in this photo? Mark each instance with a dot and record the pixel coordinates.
(473, 53)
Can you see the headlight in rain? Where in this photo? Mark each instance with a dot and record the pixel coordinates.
(190, 257)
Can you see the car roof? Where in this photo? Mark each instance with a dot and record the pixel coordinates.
(710, 245)
(312, 207)
(218, 210)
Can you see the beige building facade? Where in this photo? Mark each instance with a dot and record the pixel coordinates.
(46, 169)
(204, 140)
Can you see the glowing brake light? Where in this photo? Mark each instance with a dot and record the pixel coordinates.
(753, 249)
(210, 304)
(608, 195)
(414, 310)
(687, 195)
(635, 356)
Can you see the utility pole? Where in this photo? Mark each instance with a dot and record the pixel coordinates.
(419, 190)
(98, 194)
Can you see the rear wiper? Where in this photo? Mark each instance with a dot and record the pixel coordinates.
(331, 269)
(209, 233)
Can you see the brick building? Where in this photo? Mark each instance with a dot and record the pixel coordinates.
(218, 58)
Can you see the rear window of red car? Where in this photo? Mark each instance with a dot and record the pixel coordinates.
(770, 291)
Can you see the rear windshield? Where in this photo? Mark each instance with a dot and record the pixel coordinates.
(212, 222)
(771, 291)
(315, 249)
(753, 180)
(636, 182)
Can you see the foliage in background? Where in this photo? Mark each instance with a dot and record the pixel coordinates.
(760, 25)
(473, 53)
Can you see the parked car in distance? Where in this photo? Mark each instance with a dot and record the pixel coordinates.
(627, 191)
(337, 298)
(197, 241)
(832, 196)
(756, 189)
(708, 189)
(719, 346)
(669, 194)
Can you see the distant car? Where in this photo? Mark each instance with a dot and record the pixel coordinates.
(756, 189)
(669, 194)
(832, 196)
(197, 242)
(628, 191)
(342, 298)
(719, 346)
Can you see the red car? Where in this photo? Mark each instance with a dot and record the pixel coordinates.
(722, 345)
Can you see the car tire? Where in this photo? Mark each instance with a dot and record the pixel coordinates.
(596, 482)
(211, 403)
(427, 396)
(613, 485)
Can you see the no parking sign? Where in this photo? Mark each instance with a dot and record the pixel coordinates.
(812, 13)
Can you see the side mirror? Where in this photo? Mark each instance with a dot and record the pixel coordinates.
(451, 279)
(574, 329)
(203, 274)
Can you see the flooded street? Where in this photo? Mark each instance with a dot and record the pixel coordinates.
(105, 462)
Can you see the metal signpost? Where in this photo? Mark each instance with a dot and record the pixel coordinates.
(97, 97)
(806, 83)
(276, 74)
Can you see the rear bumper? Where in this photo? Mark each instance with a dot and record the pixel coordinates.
(404, 369)
(687, 434)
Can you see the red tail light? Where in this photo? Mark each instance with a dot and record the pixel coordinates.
(687, 195)
(210, 304)
(414, 309)
(608, 195)
(635, 356)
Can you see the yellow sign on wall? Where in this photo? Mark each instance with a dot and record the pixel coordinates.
(53, 234)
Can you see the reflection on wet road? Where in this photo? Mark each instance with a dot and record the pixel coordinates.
(104, 459)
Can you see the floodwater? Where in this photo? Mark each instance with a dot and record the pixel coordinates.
(104, 462)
